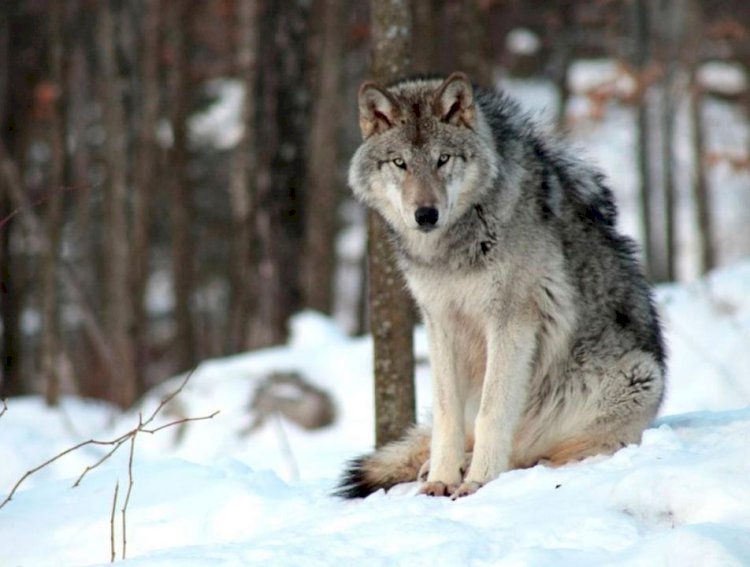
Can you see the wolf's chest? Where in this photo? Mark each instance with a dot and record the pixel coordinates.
(438, 291)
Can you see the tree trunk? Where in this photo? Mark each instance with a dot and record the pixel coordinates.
(145, 185)
(241, 184)
(701, 191)
(425, 35)
(322, 188)
(670, 17)
(391, 308)
(51, 343)
(181, 206)
(117, 301)
(280, 185)
(472, 41)
(640, 56)
(563, 56)
(11, 119)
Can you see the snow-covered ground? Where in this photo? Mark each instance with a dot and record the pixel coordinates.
(211, 495)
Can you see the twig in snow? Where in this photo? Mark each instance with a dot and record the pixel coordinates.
(114, 443)
(5, 407)
(112, 525)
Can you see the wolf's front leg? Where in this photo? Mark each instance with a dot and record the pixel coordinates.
(448, 436)
(509, 358)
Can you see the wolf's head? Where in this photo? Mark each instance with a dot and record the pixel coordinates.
(426, 152)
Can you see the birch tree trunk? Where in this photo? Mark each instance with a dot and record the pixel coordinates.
(391, 307)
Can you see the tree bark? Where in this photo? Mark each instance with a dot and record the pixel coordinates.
(391, 308)
(426, 15)
(641, 55)
(11, 119)
(670, 24)
(701, 190)
(322, 187)
(51, 343)
(181, 207)
(117, 300)
(241, 184)
(281, 182)
(472, 40)
(145, 185)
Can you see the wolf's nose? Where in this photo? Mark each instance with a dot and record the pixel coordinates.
(426, 217)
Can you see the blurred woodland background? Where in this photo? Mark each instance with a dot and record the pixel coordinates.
(172, 172)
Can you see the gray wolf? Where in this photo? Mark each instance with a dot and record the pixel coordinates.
(545, 346)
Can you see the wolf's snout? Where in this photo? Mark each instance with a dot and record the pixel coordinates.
(426, 217)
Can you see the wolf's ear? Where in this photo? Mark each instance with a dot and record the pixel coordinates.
(378, 110)
(454, 101)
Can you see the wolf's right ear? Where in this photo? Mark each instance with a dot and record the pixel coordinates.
(378, 110)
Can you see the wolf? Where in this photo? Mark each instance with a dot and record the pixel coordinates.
(545, 345)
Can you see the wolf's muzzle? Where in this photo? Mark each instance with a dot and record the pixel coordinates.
(426, 218)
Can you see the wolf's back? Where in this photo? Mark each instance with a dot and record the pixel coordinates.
(388, 466)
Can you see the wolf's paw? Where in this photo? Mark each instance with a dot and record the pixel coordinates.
(424, 470)
(466, 489)
(437, 488)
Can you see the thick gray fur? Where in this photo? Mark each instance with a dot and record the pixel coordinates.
(545, 345)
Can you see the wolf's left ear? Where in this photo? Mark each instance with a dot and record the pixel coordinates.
(378, 111)
(454, 101)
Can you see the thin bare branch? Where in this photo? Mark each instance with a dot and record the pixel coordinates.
(112, 525)
(28, 473)
(114, 443)
(127, 497)
(167, 399)
(180, 421)
(5, 407)
(100, 461)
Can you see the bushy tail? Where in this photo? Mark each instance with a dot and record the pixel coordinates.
(392, 464)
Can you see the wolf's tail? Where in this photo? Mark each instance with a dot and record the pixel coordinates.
(392, 464)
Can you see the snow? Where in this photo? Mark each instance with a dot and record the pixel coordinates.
(723, 77)
(522, 41)
(213, 495)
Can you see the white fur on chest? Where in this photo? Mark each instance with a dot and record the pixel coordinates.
(438, 292)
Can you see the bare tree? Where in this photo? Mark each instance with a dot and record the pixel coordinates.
(12, 117)
(426, 20)
(181, 206)
(322, 187)
(242, 180)
(640, 53)
(117, 305)
(51, 347)
(279, 214)
(472, 41)
(701, 193)
(669, 15)
(145, 180)
(391, 308)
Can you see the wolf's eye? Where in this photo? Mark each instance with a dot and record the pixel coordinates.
(443, 159)
(399, 162)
